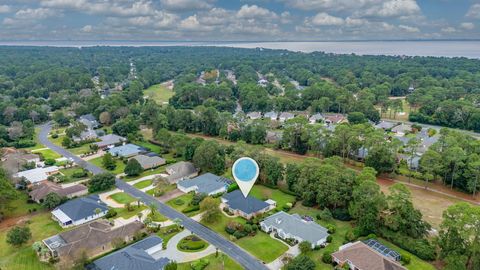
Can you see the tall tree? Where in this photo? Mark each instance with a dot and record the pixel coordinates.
(367, 204)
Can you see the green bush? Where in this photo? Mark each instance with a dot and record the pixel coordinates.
(420, 247)
(331, 228)
(200, 264)
(49, 161)
(179, 202)
(406, 259)
(111, 213)
(79, 174)
(327, 257)
(191, 208)
(329, 239)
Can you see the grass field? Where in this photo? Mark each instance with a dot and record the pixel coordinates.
(186, 198)
(264, 193)
(270, 248)
(124, 213)
(122, 197)
(47, 153)
(119, 169)
(23, 257)
(143, 184)
(20, 207)
(158, 93)
(158, 170)
(215, 263)
(389, 114)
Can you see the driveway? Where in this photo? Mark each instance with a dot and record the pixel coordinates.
(174, 254)
(235, 252)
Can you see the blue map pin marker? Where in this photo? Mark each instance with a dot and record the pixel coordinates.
(245, 172)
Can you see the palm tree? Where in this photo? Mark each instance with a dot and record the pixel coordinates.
(97, 211)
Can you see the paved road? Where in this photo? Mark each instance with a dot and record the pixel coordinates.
(235, 252)
(468, 132)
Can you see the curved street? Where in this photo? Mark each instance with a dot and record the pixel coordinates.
(236, 253)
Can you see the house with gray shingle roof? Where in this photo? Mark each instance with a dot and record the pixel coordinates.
(318, 117)
(272, 115)
(143, 255)
(89, 120)
(79, 211)
(284, 116)
(385, 125)
(127, 150)
(149, 162)
(208, 183)
(109, 140)
(288, 226)
(254, 115)
(245, 207)
(180, 170)
(402, 129)
(94, 238)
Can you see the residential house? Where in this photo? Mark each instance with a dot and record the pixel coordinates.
(271, 115)
(403, 140)
(288, 226)
(245, 207)
(144, 255)
(254, 115)
(385, 125)
(402, 129)
(127, 150)
(109, 141)
(262, 82)
(89, 120)
(273, 136)
(359, 256)
(180, 170)
(39, 192)
(93, 238)
(37, 175)
(362, 153)
(208, 183)
(149, 162)
(334, 119)
(316, 118)
(284, 116)
(15, 160)
(86, 135)
(79, 211)
(413, 163)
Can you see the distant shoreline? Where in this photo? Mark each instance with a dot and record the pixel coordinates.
(434, 48)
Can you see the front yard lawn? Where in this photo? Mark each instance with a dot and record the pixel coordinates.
(214, 263)
(270, 248)
(192, 243)
(143, 184)
(124, 213)
(181, 203)
(47, 153)
(264, 193)
(119, 169)
(152, 147)
(23, 257)
(122, 197)
(158, 170)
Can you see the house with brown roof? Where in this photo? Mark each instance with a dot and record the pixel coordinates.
(360, 256)
(40, 191)
(93, 238)
(14, 160)
(335, 118)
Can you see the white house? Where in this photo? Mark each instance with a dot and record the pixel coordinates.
(79, 211)
(37, 175)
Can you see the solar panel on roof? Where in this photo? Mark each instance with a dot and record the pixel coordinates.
(385, 251)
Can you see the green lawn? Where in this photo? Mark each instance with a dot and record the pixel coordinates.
(23, 257)
(157, 217)
(119, 169)
(192, 243)
(263, 193)
(47, 153)
(164, 186)
(68, 172)
(215, 263)
(143, 184)
(158, 170)
(186, 198)
(166, 233)
(122, 197)
(124, 213)
(154, 148)
(271, 248)
(158, 93)
(20, 207)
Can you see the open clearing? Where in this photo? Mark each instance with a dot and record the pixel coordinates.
(159, 93)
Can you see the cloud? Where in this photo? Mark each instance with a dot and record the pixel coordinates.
(409, 29)
(324, 19)
(4, 9)
(474, 11)
(391, 8)
(254, 11)
(448, 29)
(186, 5)
(87, 28)
(467, 25)
(34, 14)
(104, 7)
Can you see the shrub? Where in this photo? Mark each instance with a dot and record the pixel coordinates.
(197, 198)
(111, 213)
(420, 247)
(331, 228)
(179, 202)
(49, 161)
(350, 236)
(406, 259)
(55, 135)
(79, 174)
(341, 214)
(239, 234)
(305, 247)
(191, 208)
(325, 214)
(329, 239)
(327, 257)
(200, 264)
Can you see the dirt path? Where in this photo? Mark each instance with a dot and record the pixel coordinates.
(10, 222)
